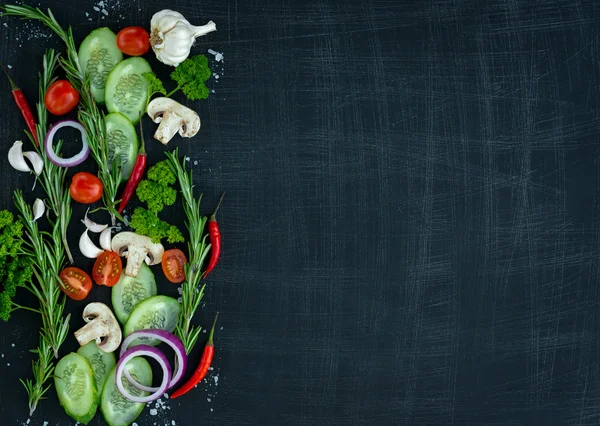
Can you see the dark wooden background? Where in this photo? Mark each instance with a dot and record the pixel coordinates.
(411, 224)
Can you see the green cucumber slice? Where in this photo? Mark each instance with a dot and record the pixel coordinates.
(158, 313)
(101, 363)
(129, 291)
(122, 142)
(76, 387)
(118, 410)
(98, 54)
(127, 89)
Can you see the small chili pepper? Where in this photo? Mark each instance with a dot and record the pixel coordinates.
(215, 239)
(202, 369)
(136, 175)
(23, 106)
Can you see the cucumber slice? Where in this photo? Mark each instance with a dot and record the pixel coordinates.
(127, 89)
(116, 409)
(158, 313)
(98, 55)
(101, 363)
(76, 387)
(122, 141)
(129, 291)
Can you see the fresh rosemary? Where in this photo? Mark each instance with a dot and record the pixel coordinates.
(89, 114)
(192, 291)
(48, 251)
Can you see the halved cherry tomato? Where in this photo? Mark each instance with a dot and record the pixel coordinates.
(86, 188)
(107, 269)
(173, 262)
(61, 97)
(133, 41)
(75, 283)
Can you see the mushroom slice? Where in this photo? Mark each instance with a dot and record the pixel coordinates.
(173, 117)
(137, 249)
(102, 326)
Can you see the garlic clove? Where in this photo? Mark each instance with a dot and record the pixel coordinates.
(87, 247)
(16, 159)
(106, 238)
(36, 161)
(38, 209)
(91, 225)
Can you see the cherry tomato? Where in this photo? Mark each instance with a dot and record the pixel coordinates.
(133, 41)
(173, 262)
(86, 188)
(107, 269)
(76, 283)
(61, 97)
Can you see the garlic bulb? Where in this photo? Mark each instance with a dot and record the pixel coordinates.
(172, 36)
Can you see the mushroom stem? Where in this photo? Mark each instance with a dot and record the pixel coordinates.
(169, 126)
(91, 331)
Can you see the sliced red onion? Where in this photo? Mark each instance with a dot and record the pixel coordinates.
(144, 350)
(76, 159)
(165, 337)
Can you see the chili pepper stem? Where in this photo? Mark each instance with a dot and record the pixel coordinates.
(142, 149)
(212, 331)
(13, 86)
(213, 216)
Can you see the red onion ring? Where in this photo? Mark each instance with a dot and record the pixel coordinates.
(76, 159)
(144, 350)
(165, 337)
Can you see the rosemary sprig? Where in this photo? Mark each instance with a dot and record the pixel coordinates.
(192, 291)
(48, 251)
(53, 177)
(89, 115)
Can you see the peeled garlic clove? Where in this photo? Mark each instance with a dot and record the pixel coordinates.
(36, 161)
(38, 209)
(87, 247)
(91, 225)
(16, 159)
(105, 239)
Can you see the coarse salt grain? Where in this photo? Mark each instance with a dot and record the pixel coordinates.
(96, 8)
(153, 412)
(216, 379)
(12, 344)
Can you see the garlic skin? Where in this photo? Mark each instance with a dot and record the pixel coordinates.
(172, 36)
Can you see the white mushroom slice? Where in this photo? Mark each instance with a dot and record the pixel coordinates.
(105, 238)
(87, 247)
(173, 117)
(38, 209)
(16, 159)
(102, 326)
(136, 248)
(91, 225)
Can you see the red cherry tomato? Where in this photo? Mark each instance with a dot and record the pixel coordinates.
(61, 97)
(133, 41)
(86, 188)
(173, 262)
(75, 283)
(107, 269)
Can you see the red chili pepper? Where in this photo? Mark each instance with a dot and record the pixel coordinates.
(23, 106)
(136, 175)
(202, 369)
(215, 239)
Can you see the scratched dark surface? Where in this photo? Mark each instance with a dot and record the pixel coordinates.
(410, 230)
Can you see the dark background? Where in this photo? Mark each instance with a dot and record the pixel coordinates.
(410, 228)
